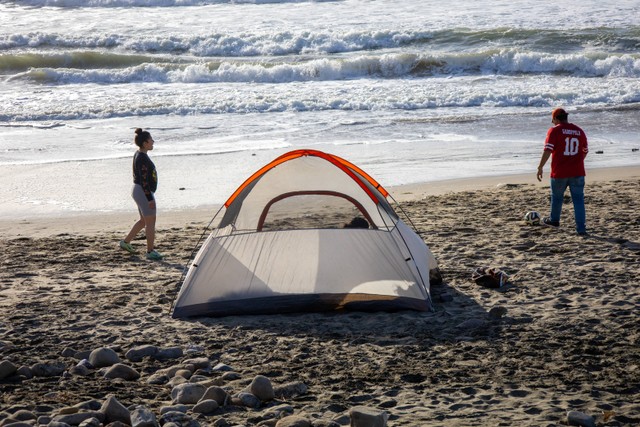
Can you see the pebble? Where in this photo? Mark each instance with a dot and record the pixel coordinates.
(262, 388)
(187, 393)
(143, 417)
(77, 418)
(23, 415)
(174, 408)
(231, 376)
(43, 420)
(216, 393)
(221, 367)
(206, 406)
(40, 409)
(89, 405)
(293, 421)
(48, 369)
(25, 372)
(325, 423)
(102, 357)
(210, 382)
(7, 369)
(362, 416)
(179, 419)
(199, 363)
(15, 423)
(85, 362)
(136, 354)
(172, 370)
(199, 379)
(80, 370)
(120, 370)
(158, 379)
(191, 348)
(176, 381)
(280, 410)
(90, 422)
(115, 411)
(184, 373)
(248, 400)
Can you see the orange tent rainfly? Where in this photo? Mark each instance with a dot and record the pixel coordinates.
(307, 232)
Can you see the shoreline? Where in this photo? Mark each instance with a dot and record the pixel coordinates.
(93, 222)
(436, 188)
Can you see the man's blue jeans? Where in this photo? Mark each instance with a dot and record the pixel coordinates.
(576, 187)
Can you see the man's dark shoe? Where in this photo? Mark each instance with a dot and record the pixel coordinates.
(547, 221)
(582, 233)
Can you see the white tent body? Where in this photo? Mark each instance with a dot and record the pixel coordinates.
(244, 267)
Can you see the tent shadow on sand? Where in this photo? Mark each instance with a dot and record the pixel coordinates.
(455, 317)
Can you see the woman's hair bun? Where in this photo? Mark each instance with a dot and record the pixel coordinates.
(138, 131)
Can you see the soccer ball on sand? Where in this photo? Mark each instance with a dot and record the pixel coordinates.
(532, 218)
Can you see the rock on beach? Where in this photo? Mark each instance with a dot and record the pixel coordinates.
(102, 357)
(7, 369)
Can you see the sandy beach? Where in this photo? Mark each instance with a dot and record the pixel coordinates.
(563, 335)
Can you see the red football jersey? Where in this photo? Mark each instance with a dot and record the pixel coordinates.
(568, 146)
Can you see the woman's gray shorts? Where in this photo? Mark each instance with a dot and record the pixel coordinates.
(141, 200)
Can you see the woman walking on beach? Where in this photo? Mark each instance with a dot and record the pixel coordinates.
(145, 183)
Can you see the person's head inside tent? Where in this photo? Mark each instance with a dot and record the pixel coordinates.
(357, 222)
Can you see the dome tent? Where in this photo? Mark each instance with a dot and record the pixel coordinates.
(278, 246)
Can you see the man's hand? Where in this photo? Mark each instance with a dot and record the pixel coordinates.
(545, 156)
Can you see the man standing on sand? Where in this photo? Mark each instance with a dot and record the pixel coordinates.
(567, 146)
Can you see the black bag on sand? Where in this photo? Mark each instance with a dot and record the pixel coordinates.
(489, 277)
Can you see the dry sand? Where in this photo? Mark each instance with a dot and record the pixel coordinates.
(563, 335)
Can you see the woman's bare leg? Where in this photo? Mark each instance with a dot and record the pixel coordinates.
(150, 230)
(137, 227)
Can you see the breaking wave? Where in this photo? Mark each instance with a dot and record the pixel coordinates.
(107, 68)
(612, 40)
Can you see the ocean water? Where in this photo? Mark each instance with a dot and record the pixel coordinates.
(409, 90)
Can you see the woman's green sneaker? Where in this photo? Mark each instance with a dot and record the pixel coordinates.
(154, 255)
(127, 247)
